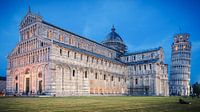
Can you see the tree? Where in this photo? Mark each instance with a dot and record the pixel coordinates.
(196, 89)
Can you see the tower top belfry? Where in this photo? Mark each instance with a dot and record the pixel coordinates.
(181, 37)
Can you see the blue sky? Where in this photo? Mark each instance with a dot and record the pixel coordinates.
(142, 24)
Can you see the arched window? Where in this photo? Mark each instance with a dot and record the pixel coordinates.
(104, 77)
(16, 77)
(27, 71)
(140, 67)
(40, 75)
(81, 56)
(70, 41)
(143, 56)
(27, 35)
(85, 74)
(61, 38)
(49, 34)
(96, 76)
(68, 53)
(87, 58)
(150, 66)
(112, 78)
(92, 59)
(75, 55)
(136, 81)
(60, 52)
(18, 50)
(73, 73)
(41, 44)
(152, 54)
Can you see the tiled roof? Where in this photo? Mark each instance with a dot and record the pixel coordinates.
(143, 62)
(86, 52)
(143, 51)
(77, 35)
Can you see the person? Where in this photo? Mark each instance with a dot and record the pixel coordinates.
(181, 101)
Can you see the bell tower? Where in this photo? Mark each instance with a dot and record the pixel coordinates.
(180, 65)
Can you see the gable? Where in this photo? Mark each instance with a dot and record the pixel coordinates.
(29, 19)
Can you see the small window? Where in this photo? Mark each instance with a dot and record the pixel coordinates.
(104, 77)
(112, 78)
(143, 56)
(75, 55)
(33, 59)
(85, 74)
(70, 41)
(150, 66)
(145, 67)
(136, 81)
(27, 71)
(40, 75)
(97, 61)
(140, 67)
(68, 53)
(87, 58)
(73, 73)
(49, 34)
(18, 50)
(133, 57)
(96, 76)
(61, 38)
(135, 68)
(41, 44)
(119, 79)
(152, 55)
(16, 78)
(81, 56)
(61, 52)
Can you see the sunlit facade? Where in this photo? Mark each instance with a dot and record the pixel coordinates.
(53, 61)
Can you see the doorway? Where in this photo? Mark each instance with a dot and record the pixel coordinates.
(40, 86)
(27, 85)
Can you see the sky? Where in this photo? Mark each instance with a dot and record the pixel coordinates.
(143, 24)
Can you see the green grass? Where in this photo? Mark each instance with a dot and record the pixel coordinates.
(98, 104)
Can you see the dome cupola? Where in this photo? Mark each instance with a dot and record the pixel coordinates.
(113, 40)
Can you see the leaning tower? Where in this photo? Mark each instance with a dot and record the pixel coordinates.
(180, 65)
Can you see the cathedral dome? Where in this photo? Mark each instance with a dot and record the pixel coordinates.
(113, 40)
(113, 37)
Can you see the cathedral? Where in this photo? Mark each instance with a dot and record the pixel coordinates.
(52, 61)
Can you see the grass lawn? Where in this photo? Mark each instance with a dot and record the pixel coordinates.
(98, 104)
